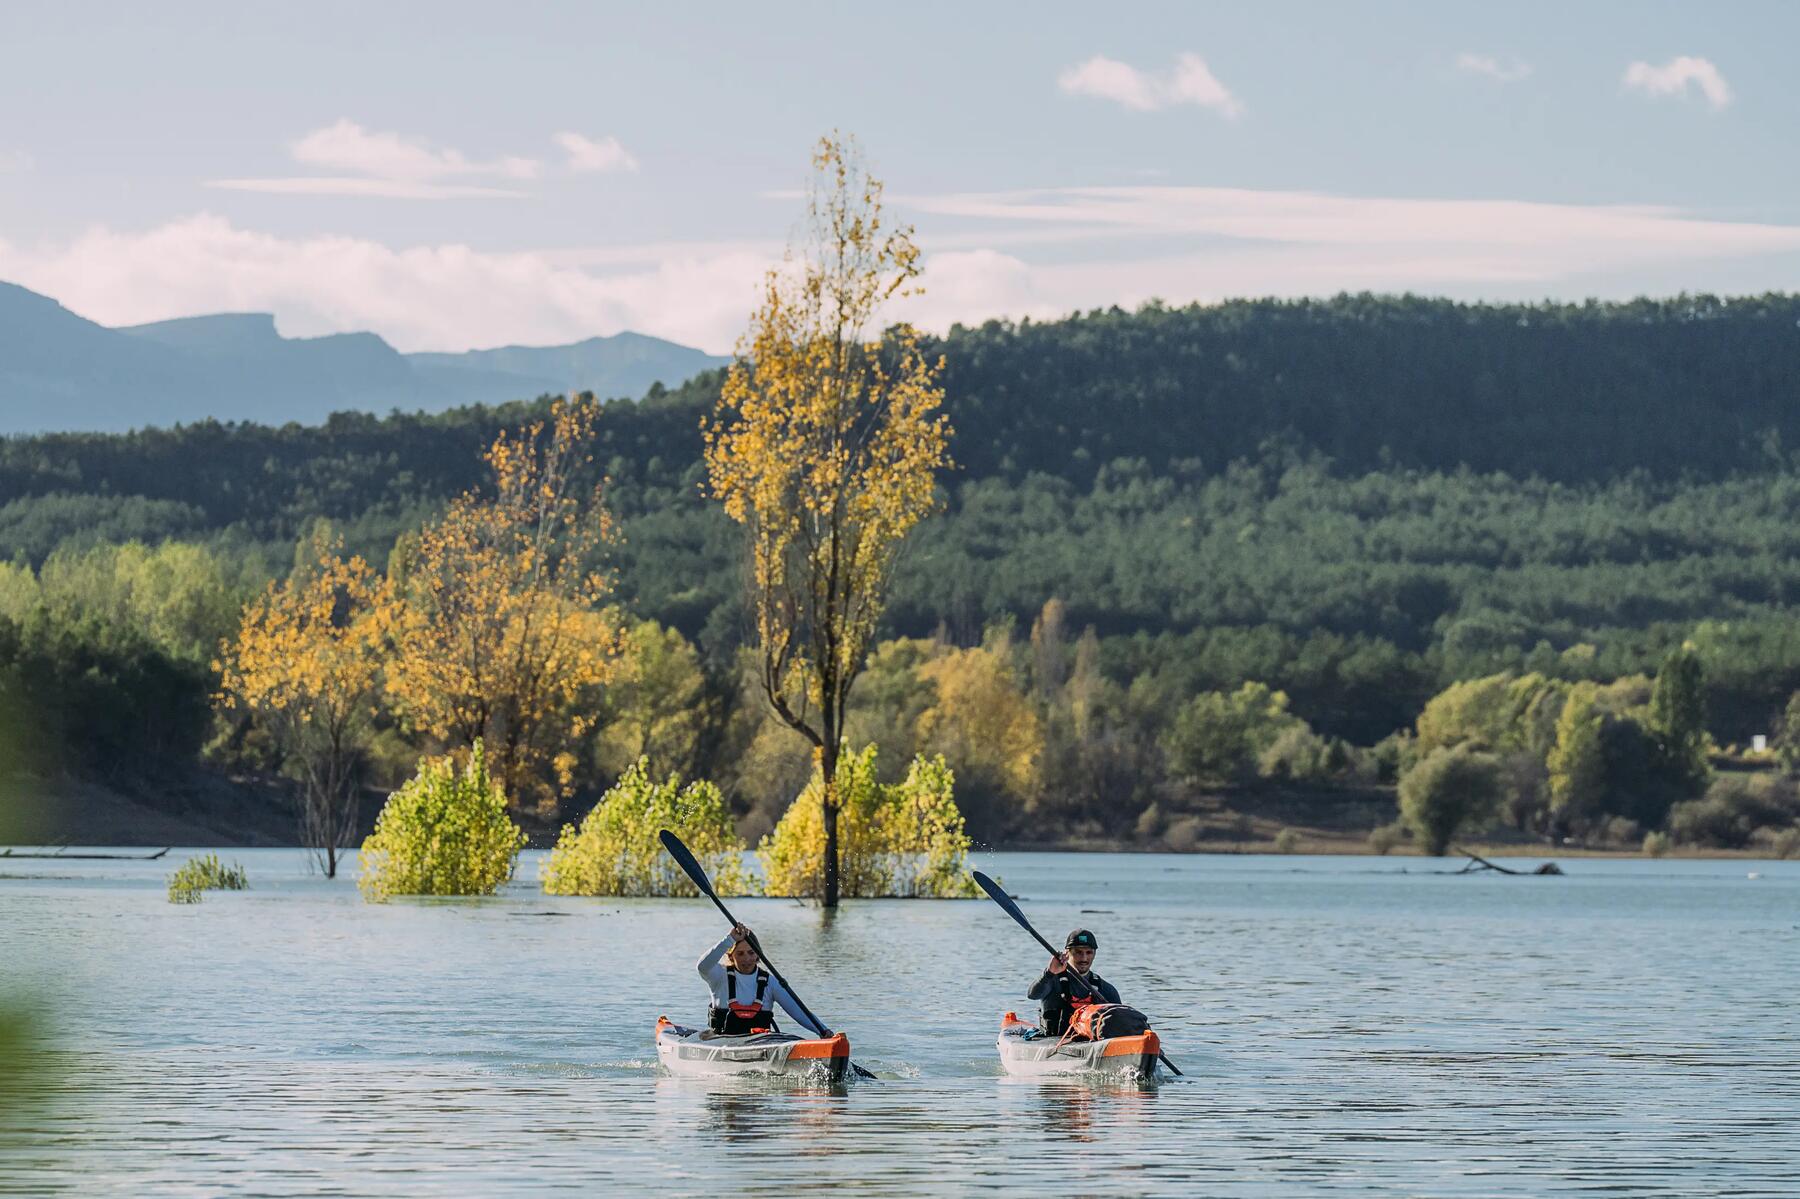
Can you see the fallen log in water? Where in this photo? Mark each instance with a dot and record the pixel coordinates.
(1477, 862)
(90, 857)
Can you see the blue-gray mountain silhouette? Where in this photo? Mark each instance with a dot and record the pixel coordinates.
(59, 371)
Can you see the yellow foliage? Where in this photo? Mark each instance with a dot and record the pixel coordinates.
(901, 840)
(501, 635)
(653, 703)
(446, 832)
(982, 717)
(616, 850)
(307, 663)
(824, 446)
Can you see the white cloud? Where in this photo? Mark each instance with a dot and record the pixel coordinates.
(1189, 81)
(1023, 253)
(588, 154)
(1510, 71)
(343, 185)
(388, 165)
(442, 297)
(1674, 76)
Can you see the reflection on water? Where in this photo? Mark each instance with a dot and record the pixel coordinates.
(1346, 1029)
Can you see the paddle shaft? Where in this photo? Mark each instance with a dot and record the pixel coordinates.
(1012, 909)
(690, 866)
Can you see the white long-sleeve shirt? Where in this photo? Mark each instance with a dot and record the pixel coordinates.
(715, 972)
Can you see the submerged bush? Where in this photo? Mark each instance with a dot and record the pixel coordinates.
(1287, 841)
(446, 832)
(1656, 845)
(616, 850)
(200, 875)
(905, 840)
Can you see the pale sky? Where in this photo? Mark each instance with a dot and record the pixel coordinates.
(455, 175)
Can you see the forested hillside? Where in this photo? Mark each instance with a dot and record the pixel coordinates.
(1356, 502)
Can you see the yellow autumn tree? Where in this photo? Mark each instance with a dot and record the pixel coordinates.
(307, 664)
(982, 719)
(824, 446)
(499, 634)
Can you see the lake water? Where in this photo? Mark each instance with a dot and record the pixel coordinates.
(1348, 1026)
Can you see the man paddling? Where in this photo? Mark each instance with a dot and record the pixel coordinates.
(744, 995)
(1070, 984)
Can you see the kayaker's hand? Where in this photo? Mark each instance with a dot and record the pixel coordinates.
(739, 933)
(1058, 963)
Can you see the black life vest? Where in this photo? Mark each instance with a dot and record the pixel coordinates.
(740, 1019)
(1060, 1006)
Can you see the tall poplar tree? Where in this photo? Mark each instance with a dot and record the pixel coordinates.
(824, 446)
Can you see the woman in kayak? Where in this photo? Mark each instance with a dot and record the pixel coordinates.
(1070, 983)
(744, 995)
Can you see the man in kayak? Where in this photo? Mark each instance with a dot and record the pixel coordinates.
(1070, 983)
(744, 995)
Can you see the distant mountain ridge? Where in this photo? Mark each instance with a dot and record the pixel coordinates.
(60, 372)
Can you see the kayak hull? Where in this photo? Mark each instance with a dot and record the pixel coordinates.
(1030, 1056)
(693, 1053)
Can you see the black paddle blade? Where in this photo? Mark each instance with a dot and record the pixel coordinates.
(1000, 897)
(689, 864)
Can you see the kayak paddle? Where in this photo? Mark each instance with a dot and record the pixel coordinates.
(1012, 909)
(690, 866)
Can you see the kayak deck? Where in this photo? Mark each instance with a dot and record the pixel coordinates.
(697, 1053)
(1026, 1052)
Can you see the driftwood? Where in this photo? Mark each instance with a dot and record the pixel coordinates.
(1477, 862)
(90, 857)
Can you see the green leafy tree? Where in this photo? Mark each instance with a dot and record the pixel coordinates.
(446, 832)
(1448, 793)
(1219, 735)
(905, 839)
(616, 851)
(1678, 716)
(1577, 762)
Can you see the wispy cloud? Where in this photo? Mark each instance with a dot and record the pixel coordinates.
(375, 163)
(1015, 253)
(1189, 81)
(1492, 67)
(15, 161)
(1673, 78)
(589, 155)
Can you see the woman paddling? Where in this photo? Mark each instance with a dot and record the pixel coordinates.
(744, 995)
(1070, 984)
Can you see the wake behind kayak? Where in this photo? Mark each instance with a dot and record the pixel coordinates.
(694, 1053)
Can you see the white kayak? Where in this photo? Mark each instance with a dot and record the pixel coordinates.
(1025, 1051)
(695, 1052)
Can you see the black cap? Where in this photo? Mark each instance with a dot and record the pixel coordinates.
(1083, 938)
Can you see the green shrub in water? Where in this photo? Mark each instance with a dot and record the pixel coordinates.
(1656, 844)
(446, 832)
(616, 850)
(200, 875)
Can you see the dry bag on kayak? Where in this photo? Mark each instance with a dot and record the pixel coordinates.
(1098, 1021)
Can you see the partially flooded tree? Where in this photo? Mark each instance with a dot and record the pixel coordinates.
(824, 446)
(307, 664)
(500, 636)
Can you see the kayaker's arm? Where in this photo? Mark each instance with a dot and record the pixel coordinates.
(778, 994)
(1107, 992)
(712, 968)
(1045, 986)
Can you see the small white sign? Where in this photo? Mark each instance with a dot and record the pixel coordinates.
(1759, 743)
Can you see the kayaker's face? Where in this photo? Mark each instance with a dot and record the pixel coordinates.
(743, 957)
(1082, 958)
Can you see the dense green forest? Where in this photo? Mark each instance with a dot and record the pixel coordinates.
(1354, 502)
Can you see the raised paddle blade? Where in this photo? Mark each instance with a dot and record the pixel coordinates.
(1000, 897)
(689, 864)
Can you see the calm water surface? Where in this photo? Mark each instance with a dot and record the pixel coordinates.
(1349, 1026)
